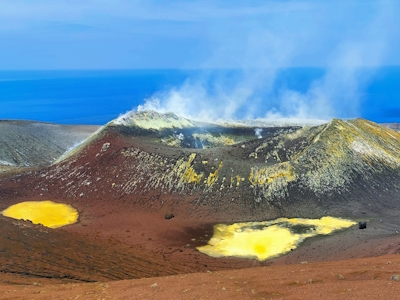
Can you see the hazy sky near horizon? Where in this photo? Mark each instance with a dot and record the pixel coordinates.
(122, 34)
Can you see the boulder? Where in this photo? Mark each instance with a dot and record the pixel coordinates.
(362, 225)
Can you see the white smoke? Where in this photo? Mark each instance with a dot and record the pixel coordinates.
(151, 104)
(261, 54)
(257, 132)
(75, 145)
(180, 136)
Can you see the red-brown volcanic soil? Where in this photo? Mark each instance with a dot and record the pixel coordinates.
(122, 243)
(111, 243)
(367, 278)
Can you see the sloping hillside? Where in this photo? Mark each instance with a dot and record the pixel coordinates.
(342, 167)
(27, 143)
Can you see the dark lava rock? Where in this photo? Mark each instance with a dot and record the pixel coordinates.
(169, 216)
(362, 225)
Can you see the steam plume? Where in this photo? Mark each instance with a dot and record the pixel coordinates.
(260, 55)
(257, 132)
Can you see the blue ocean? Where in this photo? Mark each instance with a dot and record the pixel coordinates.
(96, 97)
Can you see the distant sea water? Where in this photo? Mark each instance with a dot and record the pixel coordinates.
(96, 97)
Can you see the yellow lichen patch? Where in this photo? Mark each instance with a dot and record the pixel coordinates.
(47, 213)
(213, 177)
(263, 240)
(189, 174)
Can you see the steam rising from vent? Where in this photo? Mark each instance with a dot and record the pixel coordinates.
(76, 144)
(258, 131)
(259, 55)
(151, 104)
(180, 136)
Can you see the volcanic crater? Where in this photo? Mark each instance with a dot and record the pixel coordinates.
(130, 174)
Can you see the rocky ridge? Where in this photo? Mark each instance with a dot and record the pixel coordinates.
(341, 166)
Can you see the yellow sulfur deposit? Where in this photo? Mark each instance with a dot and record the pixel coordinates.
(213, 177)
(268, 175)
(263, 240)
(190, 174)
(47, 213)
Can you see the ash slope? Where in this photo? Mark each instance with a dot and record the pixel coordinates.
(342, 168)
(27, 143)
(393, 126)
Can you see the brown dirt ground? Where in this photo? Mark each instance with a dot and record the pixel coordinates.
(119, 250)
(111, 243)
(117, 246)
(366, 278)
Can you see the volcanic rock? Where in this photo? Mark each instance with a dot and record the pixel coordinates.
(362, 225)
(168, 216)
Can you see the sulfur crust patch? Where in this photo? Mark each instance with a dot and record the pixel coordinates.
(263, 240)
(47, 213)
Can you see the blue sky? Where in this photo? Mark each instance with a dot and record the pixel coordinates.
(350, 40)
(122, 34)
